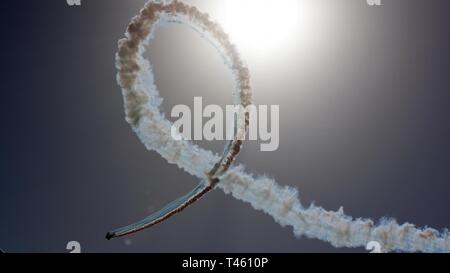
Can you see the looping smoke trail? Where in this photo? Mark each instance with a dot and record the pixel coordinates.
(142, 99)
(282, 203)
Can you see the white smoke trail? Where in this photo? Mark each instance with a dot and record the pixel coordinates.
(142, 102)
(141, 105)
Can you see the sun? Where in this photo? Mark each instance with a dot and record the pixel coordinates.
(259, 26)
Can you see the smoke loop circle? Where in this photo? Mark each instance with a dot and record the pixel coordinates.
(142, 100)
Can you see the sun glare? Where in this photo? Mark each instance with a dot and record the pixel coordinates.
(259, 25)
